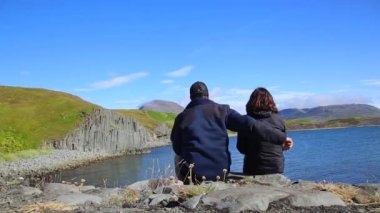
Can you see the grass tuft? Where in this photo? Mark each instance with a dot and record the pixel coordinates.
(47, 207)
(195, 190)
(129, 198)
(349, 194)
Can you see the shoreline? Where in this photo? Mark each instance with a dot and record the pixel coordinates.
(327, 128)
(29, 171)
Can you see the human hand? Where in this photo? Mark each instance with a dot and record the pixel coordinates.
(288, 144)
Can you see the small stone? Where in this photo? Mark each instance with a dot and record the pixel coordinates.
(193, 202)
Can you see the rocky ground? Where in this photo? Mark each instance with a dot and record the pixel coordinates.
(24, 187)
(273, 193)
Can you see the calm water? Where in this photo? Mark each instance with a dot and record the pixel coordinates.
(350, 155)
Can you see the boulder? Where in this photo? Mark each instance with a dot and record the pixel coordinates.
(307, 198)
(78, 199)
(52, 190)
(249, 197)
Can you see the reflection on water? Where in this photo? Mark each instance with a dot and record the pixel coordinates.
(124, 170)
(350, 155)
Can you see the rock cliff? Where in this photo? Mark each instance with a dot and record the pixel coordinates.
(107, 131)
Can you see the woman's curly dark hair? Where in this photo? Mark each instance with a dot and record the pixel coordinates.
(260, 101)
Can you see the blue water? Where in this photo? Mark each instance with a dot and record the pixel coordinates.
(350, 155)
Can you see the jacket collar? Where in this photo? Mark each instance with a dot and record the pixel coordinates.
(262, 114)
(198, 101)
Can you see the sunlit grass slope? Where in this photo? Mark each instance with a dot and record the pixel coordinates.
(30, 116)
(150, 119)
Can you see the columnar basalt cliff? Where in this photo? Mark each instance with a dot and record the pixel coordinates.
(107, 131)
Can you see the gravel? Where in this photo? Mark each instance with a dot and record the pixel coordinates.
(57, 160)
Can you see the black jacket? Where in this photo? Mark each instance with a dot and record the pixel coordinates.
(262, 155)
(199, 136)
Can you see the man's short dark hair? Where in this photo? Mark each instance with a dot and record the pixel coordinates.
(198, 90)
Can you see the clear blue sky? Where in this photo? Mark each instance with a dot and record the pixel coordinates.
(120, 54)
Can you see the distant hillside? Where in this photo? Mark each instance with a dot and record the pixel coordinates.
(324, 113)
(162, 106)
(296, 124)
(31, 116)
(148, 118)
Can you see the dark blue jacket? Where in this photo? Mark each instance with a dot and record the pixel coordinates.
(199, 136)
(262, 155)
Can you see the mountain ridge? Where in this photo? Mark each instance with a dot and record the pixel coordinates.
(162, 106)
(331, 112)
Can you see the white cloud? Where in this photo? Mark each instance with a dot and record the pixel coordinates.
(238, 97)
(184, 71)
(372, 82)
(117, 81)
(114, 82)
(167, 81)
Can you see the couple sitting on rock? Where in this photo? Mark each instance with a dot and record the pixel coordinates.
(200, 140)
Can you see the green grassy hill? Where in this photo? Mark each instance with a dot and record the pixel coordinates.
(149, 119)
(31, 116)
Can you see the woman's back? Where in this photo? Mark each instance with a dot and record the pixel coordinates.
(262, 156)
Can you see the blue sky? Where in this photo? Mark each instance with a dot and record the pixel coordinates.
(120, 54)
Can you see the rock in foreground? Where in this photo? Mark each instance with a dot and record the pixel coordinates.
(169, 195)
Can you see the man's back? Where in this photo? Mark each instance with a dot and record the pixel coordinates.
(200, 137)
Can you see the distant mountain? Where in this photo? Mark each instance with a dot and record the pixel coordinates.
(162, 106)
(323, 113)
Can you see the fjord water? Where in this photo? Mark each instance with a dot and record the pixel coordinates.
(350, 155)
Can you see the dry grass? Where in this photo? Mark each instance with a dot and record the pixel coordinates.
(129, 198)
(344, 192)
(47, 207)
(349, 194)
